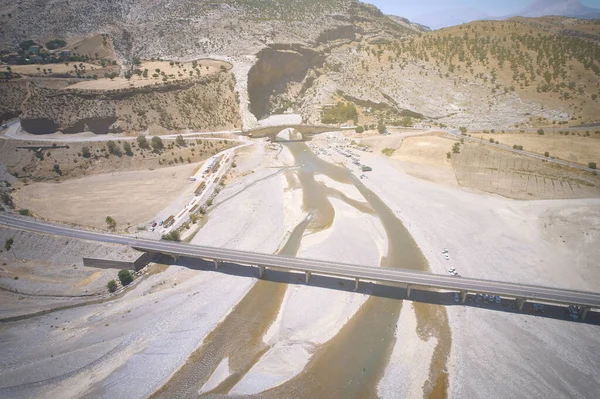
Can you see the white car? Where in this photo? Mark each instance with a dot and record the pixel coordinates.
(454, 273)
(451, 270)
(446, 257)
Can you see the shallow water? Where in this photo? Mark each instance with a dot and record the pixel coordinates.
(351, 364)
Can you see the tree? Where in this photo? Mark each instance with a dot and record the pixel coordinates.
(85, 152)
(592, 165)
(463, 129)
(127, 148)
(112, 147)
(110, 222)
(540, 132)
(142, 142)
(381, 127)
(157, 143)
(546, 154)
(359, 129)
(180, 141)
(8, 243)
(456, 148)
(407, 121)
(125, 277)
(112, 286)
(448, 155)
(172, 236)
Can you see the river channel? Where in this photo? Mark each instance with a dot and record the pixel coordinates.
(351, 364)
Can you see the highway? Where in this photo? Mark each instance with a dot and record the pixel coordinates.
(379, 274)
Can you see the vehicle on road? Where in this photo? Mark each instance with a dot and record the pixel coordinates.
(498, 299)
(456, 297)
(451, 270)
(153, 224)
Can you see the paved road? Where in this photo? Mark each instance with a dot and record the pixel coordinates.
(521, 152)
(383, 275)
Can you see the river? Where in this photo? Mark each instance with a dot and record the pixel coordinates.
(351, 364)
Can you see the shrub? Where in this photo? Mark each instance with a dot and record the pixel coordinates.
(463, 130)
(172, 236)
(85, 152)
(125, 277)
(387, 152)
(492, 140)
(8, 244)
(540, 132)
(546, 154)
(359, 129)
(592, 165)
(25, 212)
(56, 168)
(110, 222)
(127, 148)
(112, 286)
(381, 127)
(448, 155)
(142, 142)
(112, 147)
(456, 148)
(157, 143)
(180, 141)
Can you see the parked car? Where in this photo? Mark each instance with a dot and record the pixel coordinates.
(498, 299)
(456, 297)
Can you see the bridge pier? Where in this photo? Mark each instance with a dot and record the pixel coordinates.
(261, 271)
(175, 258)
(584, 312)
(520, 303)
(356, 282)
(217, 263)
(407, 291)
(307, 276)
(463, 296)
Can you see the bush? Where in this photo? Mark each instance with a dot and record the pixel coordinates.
(456, 148)
(110, 222)
(180, 141)
(359, 129)
(56, 168)
(540, 132)
(157, 143)
(463, 130)
(381, 127)
(387, 152)
(172, 236)
(142, 142)
(56, 43)
(592, 165)
(127, 148)
(8, 244)
(112, 286)
(125, 277)
(448, 155)
(546, 154)
(85, 152)
(113, 148)
(25, 212)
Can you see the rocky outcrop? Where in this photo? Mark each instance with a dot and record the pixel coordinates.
(275, 68)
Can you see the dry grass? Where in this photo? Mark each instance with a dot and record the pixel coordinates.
(177, 71)
(514, 176)
(129, 197)
(574, 147)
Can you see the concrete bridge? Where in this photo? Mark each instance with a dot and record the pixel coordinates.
(405, 278)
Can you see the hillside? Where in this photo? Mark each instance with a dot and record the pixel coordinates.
(486, 74)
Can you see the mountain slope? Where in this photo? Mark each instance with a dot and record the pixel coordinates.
(566, 8)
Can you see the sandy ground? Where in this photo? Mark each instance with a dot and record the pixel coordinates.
(521, 241)
(310, 316)
(573, 147)
(409, 364)
(129, 197)
(87, 351)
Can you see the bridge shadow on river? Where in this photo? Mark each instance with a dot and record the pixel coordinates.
(444, 298)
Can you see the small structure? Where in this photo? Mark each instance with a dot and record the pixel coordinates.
(366, 168)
